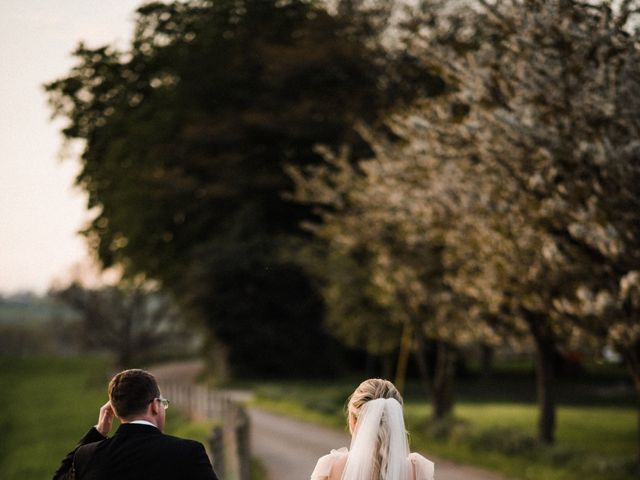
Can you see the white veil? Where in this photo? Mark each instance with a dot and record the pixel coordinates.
(378, 418)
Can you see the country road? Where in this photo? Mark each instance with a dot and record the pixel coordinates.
(289, 448)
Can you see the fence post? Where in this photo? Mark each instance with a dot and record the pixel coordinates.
(216, 447)
(229, 444)
(244, 444)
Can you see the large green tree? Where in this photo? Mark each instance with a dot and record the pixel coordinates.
(185, 137)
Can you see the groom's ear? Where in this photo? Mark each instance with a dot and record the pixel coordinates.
(155, 407)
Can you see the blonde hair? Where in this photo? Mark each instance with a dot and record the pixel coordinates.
(368, 390)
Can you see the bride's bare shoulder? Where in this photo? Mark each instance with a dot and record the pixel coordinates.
(330, 464)
(423, 468)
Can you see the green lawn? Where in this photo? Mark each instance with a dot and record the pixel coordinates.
(494, 425)
(47, 404)
(592, 442)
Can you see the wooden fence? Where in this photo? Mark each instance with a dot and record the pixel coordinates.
(229, 443)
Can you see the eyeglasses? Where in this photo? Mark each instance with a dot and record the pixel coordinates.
(163, 401)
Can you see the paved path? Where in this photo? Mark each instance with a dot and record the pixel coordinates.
(290, 448)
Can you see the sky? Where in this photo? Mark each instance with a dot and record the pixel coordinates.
(40, 209)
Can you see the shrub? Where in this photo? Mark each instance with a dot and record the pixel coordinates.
(503, 439)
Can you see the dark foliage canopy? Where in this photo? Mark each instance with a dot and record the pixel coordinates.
(186, 135)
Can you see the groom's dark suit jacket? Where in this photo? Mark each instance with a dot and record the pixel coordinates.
(135, 452)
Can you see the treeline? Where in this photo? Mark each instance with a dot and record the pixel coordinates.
(32, 324)
(392, 175)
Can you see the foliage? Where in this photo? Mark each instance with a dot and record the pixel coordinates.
(544, 111)
(186, 135)
(353, 313)
(507, 206)
(558, 165)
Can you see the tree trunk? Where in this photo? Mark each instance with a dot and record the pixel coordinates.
(124, 344)
(443, 381)
(403, 357)
(387, 365)
(632, 360)
(638, 426)
(370, 364)
(216, 354)
(545, 378)
(486, 360)
(123, 359)
(546, 390)
(421, 359)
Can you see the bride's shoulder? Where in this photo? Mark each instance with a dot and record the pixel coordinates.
(326, 462)
(423, 467)
(340, 452)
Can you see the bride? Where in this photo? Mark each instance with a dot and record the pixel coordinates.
(379, 446)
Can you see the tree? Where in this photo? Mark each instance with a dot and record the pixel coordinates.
(131, 322)
(544, 108)
(383, 210)
(353, 313)
(186, 135)
(518, 185)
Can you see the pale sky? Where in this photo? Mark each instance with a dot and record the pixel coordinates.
(40, 210)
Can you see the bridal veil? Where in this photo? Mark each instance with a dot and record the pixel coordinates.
(379, 443)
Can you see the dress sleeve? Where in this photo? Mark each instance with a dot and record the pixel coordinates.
(423, 469)
(325, 464)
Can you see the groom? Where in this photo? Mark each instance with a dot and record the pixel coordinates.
(138, 449)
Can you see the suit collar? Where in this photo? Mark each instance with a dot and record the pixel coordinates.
(135, 428)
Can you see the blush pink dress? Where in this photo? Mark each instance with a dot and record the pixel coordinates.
(331, 466)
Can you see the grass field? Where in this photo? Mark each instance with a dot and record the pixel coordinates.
(47, 404)
(494, 424)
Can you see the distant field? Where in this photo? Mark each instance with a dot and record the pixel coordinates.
(35, 312)
(47, 404)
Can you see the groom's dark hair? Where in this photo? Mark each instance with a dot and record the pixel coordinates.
(131, 391)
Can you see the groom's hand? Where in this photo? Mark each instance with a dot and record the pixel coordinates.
(105, 419)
